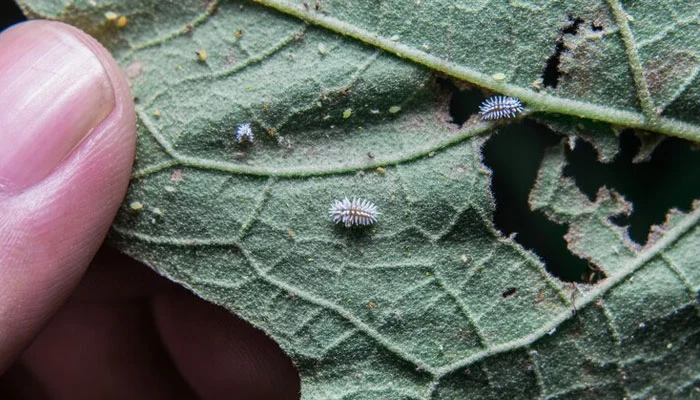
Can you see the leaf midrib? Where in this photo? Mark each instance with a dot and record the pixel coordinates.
(536, 101)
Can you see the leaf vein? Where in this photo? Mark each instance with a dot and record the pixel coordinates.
(618, 344)
(257, 59)
(304, 172)
(640, 81)
(361, 326)
(537, 101)
(644, 257)
(200, 19)
(483, 340)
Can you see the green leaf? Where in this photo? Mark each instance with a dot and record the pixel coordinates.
(433, 301)
(637, 67)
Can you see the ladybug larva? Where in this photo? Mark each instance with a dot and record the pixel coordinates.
(498, 107)
(355, 212)
(244, 133)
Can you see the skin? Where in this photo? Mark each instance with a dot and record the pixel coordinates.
(115, 329)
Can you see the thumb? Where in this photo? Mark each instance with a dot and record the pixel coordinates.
(67, 133)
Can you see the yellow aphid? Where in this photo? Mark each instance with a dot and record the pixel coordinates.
(202, 54)
(121, 22)
(136, 205)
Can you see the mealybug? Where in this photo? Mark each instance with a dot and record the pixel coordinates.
(498, 107)
(355, 212)
(244, 133)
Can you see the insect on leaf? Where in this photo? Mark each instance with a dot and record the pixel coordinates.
(430, 302)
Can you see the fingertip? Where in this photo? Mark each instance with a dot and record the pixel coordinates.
(60, 89)
(68, 131)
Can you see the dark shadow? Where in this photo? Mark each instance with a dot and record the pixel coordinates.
(10, 14)
(18, 382)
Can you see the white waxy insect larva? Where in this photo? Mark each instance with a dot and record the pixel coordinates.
(498, 107)
(355, 212)
(244, 133)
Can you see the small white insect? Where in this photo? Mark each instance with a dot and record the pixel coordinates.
(498, 107)
(355, 212)
(244, 133)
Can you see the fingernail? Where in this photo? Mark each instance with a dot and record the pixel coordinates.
(53, 92)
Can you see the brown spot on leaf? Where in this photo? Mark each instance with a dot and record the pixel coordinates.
(668, 74)
(540, 296)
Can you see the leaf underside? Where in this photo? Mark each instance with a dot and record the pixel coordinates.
(432, 302)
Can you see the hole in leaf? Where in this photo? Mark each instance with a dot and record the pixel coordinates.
(668, 180)
(551, 73)
(596, 27)
(509, 292)
(514, 156)
(654, 187)
(463, 103)
(572, 27)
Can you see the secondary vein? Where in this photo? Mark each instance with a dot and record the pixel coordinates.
(640, 81)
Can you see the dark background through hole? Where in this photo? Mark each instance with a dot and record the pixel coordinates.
(514, 155)
(671, 179)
